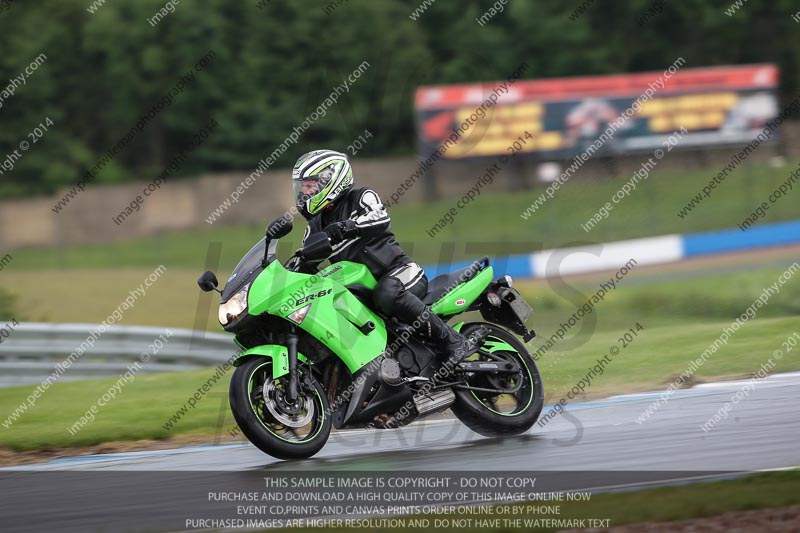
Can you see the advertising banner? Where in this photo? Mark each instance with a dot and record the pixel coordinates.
(560, 118)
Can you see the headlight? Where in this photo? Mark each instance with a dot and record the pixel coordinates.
(234, 307)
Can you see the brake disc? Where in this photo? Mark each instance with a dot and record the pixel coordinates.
(290, 415)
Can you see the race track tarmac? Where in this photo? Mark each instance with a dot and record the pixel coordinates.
(597, 445)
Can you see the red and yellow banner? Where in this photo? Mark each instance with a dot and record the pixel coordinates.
(560, 117)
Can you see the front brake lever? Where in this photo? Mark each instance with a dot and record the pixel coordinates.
(296, 254)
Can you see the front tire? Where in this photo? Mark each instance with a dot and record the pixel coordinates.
(499, 415)
(277, 427)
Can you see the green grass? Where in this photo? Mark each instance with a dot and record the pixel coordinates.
(7, 304)
(138, 412)
(663, 504)
(704, 293)
(491, 224)
(90, 295)
(658, 355)
(699, 295)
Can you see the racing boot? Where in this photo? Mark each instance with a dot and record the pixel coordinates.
(452, 346)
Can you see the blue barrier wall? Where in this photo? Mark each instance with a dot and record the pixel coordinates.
(655, 250)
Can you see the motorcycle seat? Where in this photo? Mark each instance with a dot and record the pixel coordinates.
(445, 282)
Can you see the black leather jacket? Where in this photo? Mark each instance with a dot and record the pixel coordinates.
(375, 246)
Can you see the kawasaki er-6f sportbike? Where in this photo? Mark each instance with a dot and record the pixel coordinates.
(316, 354)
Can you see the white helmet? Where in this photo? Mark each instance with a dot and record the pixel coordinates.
(332, 173)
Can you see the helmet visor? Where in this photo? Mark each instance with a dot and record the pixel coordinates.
(305, 189)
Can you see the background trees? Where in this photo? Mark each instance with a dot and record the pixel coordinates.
(277, 60)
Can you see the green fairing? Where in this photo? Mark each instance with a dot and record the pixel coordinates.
(334, 325)
(460, 297)
(278, 354)
(336, 314)
(349, 273)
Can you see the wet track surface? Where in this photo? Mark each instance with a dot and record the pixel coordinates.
(593, 445)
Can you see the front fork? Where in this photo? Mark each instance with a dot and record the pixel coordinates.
(291, 344)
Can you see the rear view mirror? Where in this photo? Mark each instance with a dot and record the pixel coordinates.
(317, 246)
(280, 227)
(208, 281)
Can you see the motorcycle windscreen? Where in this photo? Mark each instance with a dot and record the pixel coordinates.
(248, 267)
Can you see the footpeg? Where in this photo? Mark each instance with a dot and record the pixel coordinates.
(491, 367)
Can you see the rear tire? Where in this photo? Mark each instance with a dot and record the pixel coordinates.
(476, 409)
(269, 423)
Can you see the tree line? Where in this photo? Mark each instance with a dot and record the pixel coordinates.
(276, 61)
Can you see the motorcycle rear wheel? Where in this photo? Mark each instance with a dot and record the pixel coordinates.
(499, 415)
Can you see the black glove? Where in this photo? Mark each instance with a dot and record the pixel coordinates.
(339, 231)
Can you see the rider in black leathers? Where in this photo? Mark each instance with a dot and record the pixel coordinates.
(358, 226)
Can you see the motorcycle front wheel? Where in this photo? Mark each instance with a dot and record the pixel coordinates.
(276, 425)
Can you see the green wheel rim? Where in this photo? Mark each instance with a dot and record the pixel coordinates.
(319, 421)
(500, 343)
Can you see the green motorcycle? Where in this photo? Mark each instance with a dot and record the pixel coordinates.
(316, 354)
